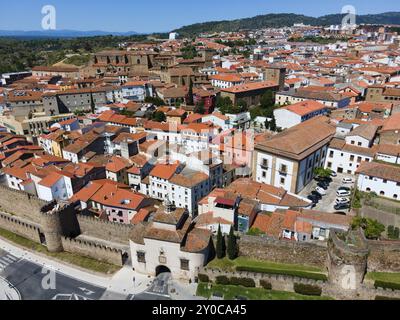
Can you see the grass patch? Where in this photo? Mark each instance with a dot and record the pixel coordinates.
(231, 292)
(384, 276)
(245, 264)
(72, 258)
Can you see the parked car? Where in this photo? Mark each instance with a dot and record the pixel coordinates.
(343, 193)
(323, 185)
(347, 181)
(340, 213)
(316, 194)
(314, 199)
(342, 200)
(342, 206)
(333, 174)
(321, 191)
(345, 189)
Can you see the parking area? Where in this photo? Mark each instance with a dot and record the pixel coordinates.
(327, 203)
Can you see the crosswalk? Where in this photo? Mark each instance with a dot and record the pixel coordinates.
(6, 260)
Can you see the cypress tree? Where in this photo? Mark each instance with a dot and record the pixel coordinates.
(232, 245)
(220, 244)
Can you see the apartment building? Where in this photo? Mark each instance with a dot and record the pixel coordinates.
(292, 115)
(288, 159)
(382, 179)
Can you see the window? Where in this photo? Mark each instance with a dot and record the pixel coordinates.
(283, 169)
(353, 142)
(359, 144)
(385, 181)
(351, 158)
(359, 159)
(382, 193)
(185, 264)
(282, 180)
(368, 189)
(264, 174)
(264, 163)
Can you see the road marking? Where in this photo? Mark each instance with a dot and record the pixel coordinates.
(6, 261)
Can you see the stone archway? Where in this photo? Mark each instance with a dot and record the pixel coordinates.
(162, 269)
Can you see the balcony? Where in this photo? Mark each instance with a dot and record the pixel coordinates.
(264, 166)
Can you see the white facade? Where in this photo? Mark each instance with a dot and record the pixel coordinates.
(162, 253)
(286, 119)
(384, 188)
(347, 162)
(358, 141)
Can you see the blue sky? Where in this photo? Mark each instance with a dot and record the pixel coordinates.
(164, 15)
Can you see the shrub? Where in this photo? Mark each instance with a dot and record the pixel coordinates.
(244, 282)
(222, 280)
(203, 277)
(265, 284)
(307, 289)
(385, 298)
(387, 285)
(294, 273)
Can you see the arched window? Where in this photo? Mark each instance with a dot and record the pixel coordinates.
(382, 193)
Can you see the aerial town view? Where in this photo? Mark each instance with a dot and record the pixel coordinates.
(253, 157)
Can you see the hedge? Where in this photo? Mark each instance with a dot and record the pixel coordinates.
(387, 285)
(222, 280)
(244, 282)
(265, 284)
(307, 289)
(293, 273)
(203, 277)
(385, 298)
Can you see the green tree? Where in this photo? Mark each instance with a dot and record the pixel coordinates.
(200, 108)
(220, 248)
(267, 99)
(372, 228)
(224, 104)
(189, 100)
(322, 172)
(155, 100)
(232, 245)
(159, 116)
(242, 106)
(272, 125)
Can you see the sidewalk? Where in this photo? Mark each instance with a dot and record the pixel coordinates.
(118, 286)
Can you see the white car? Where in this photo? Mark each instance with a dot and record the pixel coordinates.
(343, 193)
(347, 181)
(333, 174)
(321, 191)
(342, 200)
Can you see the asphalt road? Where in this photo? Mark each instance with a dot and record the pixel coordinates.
(157, 291)
(28, 278)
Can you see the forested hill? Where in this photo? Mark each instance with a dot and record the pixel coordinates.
(282, 20)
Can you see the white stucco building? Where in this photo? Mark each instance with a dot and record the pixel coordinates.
(170, 242)
(382, 179)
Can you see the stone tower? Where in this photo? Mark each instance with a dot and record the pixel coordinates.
(59, 220)
(52, 229)
(347, 260)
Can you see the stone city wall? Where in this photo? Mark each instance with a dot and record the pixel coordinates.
(286, 283)
(263, 248)
(19, 226)
(93, 250)
(384, 256)
(105, 230)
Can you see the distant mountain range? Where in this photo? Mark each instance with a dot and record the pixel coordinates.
(282, 20)
(61, 33)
